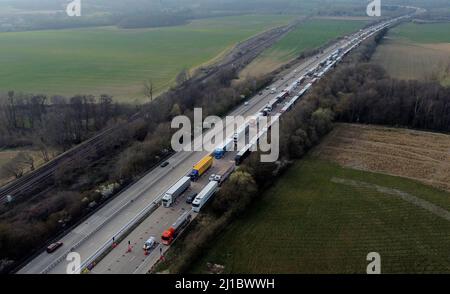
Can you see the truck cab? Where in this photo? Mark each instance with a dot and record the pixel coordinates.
(194, 175)
(167, 200)
(219, 153)
(168, 236)
(175, 191)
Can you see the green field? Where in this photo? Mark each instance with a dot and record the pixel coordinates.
(312, 34)
(423, 33)
(117, 61)
(417, 51)
(309, 35)
(309, 222)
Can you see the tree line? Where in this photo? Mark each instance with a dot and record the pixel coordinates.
(51, 125)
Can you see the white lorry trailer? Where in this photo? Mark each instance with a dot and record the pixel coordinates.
(175, 191)
(204, 196)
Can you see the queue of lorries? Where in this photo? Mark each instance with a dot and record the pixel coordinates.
(199, 200)
(206, 163)
(215, 181)
(202, 198)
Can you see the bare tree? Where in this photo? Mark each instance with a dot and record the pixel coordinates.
(148, 89)
(40, 142)
(13, 168)
(11, 110)
(26, 160)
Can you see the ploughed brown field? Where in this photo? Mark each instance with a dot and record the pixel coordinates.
(417, 155)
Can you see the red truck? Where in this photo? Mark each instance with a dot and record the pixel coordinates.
(169, 235)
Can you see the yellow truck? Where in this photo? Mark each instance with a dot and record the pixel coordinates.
(201, 167)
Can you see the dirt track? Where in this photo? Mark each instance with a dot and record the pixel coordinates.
(411, 154)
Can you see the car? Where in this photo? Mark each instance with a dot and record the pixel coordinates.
(267, 88)
(212, 177)
(164, 164)
(217, 178)
(246, 103)
(190, 198)
(260, 93)
(54, 246)
(149, 244)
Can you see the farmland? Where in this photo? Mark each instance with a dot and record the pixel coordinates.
(321, 217)
(420, 156)
(309, 35)
(423, 33)
(118, 61)
(417, 51)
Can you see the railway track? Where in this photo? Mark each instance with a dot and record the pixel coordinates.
(46, 172)
(239, 57)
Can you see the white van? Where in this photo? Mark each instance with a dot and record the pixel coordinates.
(149, 244)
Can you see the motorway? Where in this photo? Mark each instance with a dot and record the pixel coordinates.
(88, 237)
(119, 261)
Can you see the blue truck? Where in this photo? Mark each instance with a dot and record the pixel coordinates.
(220, 151)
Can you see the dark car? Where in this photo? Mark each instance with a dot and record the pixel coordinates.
(191, 198)
(53, 247)
(165, 164)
